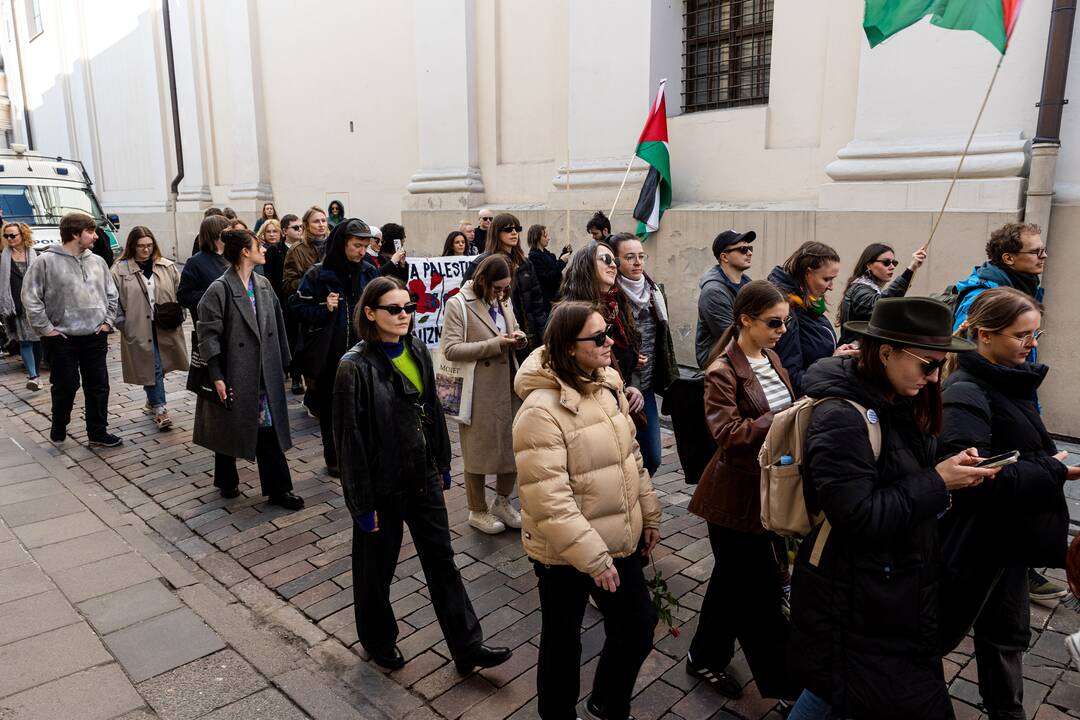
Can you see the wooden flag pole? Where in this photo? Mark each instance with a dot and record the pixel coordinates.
(621, 186)
(963, 155)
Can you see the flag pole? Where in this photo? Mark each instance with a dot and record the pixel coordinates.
(963, 155)
(621, 186)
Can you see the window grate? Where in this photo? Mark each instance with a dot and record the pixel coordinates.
(727, 49)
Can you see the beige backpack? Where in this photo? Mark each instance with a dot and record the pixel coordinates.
(783, 508)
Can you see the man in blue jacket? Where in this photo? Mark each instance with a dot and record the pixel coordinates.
(734, 253)
(1016, 258)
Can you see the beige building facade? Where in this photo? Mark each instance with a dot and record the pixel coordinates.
(423, 111)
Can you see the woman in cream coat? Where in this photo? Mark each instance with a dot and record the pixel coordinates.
(483, 316)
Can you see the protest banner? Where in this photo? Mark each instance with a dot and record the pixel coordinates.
(433, 281)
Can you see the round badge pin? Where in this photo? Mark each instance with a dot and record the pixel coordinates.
(872, 417)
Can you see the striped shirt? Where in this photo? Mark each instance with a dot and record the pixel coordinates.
(776, 391)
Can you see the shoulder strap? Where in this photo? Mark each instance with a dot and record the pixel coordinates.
(873, 430)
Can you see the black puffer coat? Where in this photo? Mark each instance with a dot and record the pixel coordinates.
(1019, 518)
(865, 619)
(809, 336)
(390, 438)
(527, 297)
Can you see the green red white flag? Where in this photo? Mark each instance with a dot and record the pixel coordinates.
(993, 19)
(652, 147)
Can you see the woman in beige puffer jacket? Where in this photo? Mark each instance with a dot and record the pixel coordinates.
(590, 516)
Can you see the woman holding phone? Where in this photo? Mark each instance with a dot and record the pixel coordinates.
(993, 533)
(479, 327)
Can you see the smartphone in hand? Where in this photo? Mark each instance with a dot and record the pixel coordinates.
(1000, 460)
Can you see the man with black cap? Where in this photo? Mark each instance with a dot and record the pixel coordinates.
(734, 253)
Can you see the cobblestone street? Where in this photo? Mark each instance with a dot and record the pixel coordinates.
(292, 570)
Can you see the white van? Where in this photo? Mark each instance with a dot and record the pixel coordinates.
(38, 190)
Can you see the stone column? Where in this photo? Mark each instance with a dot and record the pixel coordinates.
(449, 173)
(250, 184)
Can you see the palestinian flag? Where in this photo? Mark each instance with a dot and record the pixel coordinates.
(652, 147)
(993, 19)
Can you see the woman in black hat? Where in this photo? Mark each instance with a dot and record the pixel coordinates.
(993, 534)
(864, 603)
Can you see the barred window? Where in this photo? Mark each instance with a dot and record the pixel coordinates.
(727, 49)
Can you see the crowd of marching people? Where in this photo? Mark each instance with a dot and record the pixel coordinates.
(922, 485)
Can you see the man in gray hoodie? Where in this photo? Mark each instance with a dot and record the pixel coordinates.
(719, 285)
(70, 300)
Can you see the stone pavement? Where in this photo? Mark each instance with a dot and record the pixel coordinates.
(290, 573)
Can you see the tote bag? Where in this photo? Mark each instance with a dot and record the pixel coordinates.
(454, 380)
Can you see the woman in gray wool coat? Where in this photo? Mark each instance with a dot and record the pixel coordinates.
(242, 339)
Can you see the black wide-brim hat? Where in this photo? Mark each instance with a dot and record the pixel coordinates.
(918, 322)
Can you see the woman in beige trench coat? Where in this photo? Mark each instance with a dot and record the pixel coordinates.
(482, 314)
(147, 351)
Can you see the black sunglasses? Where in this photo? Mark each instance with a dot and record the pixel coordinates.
(601, 337)
(887, 263)
(9, 236)
(774, 323)
(609, 260)
(511, 228)
(928, 366)
(408, 309)
(744, 249)
(296, 227)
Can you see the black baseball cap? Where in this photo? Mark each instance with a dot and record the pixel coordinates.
(728, 238)
(357, 228)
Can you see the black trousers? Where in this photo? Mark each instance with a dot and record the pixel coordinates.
(629, 621)
(743, 602)
(322, 399)
(72, 357)
(374, 560)
(274, 474)
(292, 333)
(995, 603)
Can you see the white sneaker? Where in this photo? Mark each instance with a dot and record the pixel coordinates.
(148, 408)
(1072, 643)
(503, 510)
(485, 522)
(33, 384)
(162, 419)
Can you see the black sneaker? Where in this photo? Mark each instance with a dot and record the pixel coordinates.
(106, 440)
(724, 683)
(298, 387)
(230, 493)
(287, 501)
(594, 711)
(58, 435)
(333, 471)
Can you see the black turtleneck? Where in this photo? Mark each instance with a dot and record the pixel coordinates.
(147, 268)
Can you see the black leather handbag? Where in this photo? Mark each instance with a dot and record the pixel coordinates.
(168, 315)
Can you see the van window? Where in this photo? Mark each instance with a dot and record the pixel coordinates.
(45, 204)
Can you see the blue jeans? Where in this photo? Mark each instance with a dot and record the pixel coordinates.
(812, 707)
(648, 437)
(31, 356)
(155, 394)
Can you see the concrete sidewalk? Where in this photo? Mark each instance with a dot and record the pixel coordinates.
(97, 622)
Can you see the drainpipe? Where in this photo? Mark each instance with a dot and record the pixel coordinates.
(22, 82)
(174, 187)
(1047, 142)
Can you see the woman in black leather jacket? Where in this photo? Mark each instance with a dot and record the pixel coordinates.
(391, 437)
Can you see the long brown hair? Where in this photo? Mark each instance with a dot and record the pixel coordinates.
(926, 406)
(499, 224)
(210, 231)
(811, 255)
(992, 310)
(580, 283)
(753, 299)
(136, 234)
(560, 336)
(492, 269)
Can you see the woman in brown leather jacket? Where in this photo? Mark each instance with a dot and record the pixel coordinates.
(745, 385)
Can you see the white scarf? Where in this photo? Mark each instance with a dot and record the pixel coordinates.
(641, 292)
(868, 281)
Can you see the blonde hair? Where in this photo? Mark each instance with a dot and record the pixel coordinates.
(24, 230)
(262, 230)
